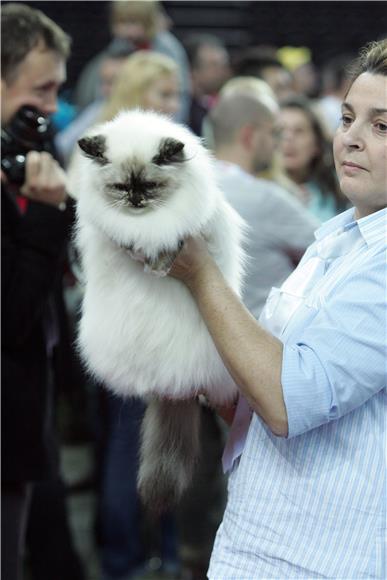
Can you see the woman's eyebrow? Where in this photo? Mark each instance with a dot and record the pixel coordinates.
(376, 111)
(347, 106)
(373, 111)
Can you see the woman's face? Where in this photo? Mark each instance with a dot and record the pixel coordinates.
(360, 144)
(163, 95)
(297, 144)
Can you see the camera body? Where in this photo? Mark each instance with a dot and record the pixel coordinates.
(28, 130)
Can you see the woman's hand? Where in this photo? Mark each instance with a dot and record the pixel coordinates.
(252, 356)
(191, 262)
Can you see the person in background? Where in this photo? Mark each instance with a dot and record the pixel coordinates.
(307, 488)
(261, 90)
(144, 25)
(210, 68)
(298, 60)
(65, 113)
(305, 155)
(110, 65)
(36, 218)
(335, 81)
(279, 227)
(148, 80)
(263, 63)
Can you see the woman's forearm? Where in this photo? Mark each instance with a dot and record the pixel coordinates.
(252, 356)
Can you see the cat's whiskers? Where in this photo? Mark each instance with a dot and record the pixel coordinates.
(157, 203)
(117, 203)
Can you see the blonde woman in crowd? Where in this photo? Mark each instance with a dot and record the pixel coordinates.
(147, 80)
(143, 25)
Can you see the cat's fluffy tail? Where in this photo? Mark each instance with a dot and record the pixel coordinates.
(169, 450)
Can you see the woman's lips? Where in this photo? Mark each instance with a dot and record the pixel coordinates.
(351, 168)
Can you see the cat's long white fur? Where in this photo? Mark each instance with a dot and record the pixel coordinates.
(140, 334)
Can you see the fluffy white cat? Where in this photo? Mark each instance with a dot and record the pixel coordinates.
(144, 184)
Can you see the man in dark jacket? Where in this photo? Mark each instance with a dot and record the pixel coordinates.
(34, 52)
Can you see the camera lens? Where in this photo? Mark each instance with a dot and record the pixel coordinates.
(29, 130)
(29, 127)
(14, 168)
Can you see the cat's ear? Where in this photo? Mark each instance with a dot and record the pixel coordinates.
(94, 148)
(171, 151)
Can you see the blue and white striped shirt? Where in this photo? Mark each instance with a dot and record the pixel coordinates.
(314, 505)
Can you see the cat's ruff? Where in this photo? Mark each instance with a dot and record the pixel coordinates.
(139, 334)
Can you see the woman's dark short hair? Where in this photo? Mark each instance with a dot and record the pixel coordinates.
(372, 59)
(22, 29)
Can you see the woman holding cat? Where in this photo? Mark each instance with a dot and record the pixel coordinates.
(307, 489)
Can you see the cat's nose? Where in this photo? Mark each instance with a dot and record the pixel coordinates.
(136, 201)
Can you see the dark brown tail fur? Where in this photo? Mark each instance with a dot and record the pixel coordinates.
(169, 450)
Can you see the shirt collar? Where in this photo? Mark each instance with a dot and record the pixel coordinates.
(338, 222)
(373, 228)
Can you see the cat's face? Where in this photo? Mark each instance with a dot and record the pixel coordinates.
(133, 184)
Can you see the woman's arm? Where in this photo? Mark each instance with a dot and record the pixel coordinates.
(252, 356)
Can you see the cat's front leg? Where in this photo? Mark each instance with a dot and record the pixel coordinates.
(162, 263)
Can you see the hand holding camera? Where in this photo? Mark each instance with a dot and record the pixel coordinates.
(26, 162)
(45, 180)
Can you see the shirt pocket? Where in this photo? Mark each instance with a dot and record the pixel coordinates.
(279, 310)
(301, 318)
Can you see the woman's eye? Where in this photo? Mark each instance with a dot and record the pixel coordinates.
(381, 127)
(346, 120)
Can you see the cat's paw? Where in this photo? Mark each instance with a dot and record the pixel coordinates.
(161, 264)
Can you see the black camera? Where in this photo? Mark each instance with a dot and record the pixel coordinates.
(28, 130)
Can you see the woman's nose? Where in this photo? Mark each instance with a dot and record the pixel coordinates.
(353, 137)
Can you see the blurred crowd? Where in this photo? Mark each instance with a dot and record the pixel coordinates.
(268, 114)
(187, 80)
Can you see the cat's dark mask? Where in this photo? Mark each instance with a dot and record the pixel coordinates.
(171, 151)
(94, 148)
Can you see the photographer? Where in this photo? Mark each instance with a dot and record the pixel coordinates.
(35, 223)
